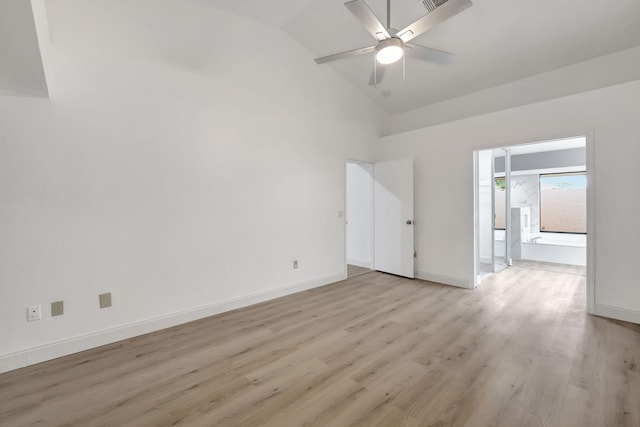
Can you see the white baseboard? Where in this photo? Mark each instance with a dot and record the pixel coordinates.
(617, 313)
(446, 280)
(11, 361)
(360, 263)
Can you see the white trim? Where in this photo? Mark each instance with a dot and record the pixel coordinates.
(507, 207)
(13, 361)
(618, 313)
(493, 212)
(458, 282)
(68, 346)
(345, 213)
(591, 221)
(477, 259)
(360, 263)
(563, 169)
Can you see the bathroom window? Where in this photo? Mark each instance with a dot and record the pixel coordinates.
(500, 203)
(563, 203)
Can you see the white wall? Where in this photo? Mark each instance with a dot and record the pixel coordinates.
(360, 214)
(444, 183)
(524, 194)
(185, 158)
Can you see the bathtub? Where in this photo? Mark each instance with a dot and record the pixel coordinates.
(558, 248)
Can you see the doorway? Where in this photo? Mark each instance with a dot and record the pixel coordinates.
(359, 217)
(379, 221)
(531, 207)
(492, 215)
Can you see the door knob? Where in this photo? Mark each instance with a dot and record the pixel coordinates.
(409, 222)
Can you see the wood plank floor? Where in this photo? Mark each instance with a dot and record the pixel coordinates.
(374, 350)
(355, 270)
(553, 267)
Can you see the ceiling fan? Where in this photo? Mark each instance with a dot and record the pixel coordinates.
(393, 45)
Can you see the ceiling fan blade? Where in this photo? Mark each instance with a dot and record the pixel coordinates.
(368, 19)
(429, 54)
(347, 54)
(376, 75)
(430, 20)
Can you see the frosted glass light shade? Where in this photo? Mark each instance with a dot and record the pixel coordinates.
(389, 51)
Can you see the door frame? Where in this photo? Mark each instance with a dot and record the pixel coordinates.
(507, 209)
(591, 206)
(476, 219)
(591, 222)
(476, 216)
(346, 213)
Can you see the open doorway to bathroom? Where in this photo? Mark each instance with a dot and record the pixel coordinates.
(531, 207)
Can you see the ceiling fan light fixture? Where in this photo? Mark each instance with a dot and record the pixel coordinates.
(389, 51)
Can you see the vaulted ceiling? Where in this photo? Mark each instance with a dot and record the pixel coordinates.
(495, 41)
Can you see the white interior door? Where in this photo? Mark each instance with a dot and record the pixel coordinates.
(393, 217)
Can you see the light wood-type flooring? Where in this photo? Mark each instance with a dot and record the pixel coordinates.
(374, 350)
(356, 270)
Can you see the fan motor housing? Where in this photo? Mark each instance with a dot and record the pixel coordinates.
(393, 41)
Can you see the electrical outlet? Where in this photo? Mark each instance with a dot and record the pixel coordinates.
(57, 308)
(105, 300)
(34, 313)
(295, 264)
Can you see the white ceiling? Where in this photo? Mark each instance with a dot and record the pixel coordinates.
(495, 41)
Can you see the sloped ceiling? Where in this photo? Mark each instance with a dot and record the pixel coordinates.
(21, 68)
(495, 41)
